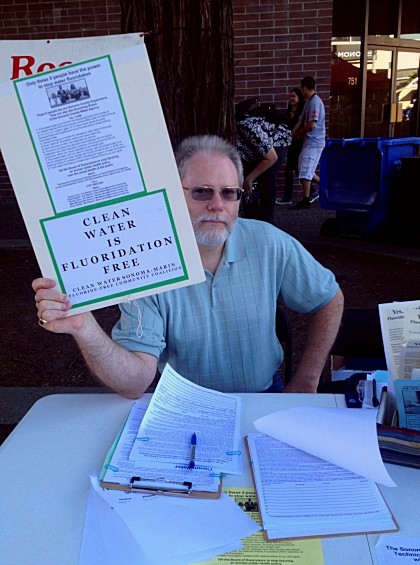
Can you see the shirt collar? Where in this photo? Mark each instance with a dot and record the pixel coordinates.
(235, 248)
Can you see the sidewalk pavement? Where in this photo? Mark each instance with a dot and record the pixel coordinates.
(305, 226)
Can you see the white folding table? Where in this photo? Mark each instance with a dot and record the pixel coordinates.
(46, 461)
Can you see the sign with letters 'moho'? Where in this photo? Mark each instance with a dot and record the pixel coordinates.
(91, 163)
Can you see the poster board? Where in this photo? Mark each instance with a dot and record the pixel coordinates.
(96, 179)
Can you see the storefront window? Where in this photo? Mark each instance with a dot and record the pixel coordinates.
(378, 91)
(406, 90)
(386, 103)
(345, 85)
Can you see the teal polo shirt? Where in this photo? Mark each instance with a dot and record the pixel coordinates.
(221, 333)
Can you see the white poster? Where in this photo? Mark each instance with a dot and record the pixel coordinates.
(91, 163)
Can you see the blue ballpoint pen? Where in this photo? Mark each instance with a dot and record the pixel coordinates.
(191, 464)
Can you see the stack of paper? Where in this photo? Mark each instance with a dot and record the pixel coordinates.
(400, 446)
(314, 471)
(400, 326)
(154, 447)
(155, 442)
(180, 408)
(133, 528)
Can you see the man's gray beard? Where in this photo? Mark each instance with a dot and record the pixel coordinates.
(212, 237)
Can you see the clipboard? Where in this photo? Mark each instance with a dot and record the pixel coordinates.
(161, 486)
(166, 462)
(295, 537)
(183, 489)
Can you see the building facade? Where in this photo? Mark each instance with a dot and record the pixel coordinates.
(364, 57)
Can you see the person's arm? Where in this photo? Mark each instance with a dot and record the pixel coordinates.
(266, 162)
(309, 126)
(127, 373)
(301, 130)
(322, 331)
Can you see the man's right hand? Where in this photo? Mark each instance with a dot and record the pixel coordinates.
(129, 373)
(53, 307)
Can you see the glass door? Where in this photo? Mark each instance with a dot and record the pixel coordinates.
(405, 93)
(378, 91)
(392, 88)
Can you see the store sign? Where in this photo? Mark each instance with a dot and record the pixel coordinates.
(20, 59)
(351, 52)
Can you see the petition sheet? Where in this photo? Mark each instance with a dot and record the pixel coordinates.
(179, 409)
(301, 495)
(342, 436)
(119, 469)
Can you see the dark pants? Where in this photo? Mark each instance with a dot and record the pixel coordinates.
(264, 208)
(291, 168)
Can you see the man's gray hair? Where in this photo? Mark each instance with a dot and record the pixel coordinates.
(207, 144)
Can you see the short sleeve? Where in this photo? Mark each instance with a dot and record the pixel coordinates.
(306, 285)
(314, 109)
(141, 327)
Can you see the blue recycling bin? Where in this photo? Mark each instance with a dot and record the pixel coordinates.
(358, 176)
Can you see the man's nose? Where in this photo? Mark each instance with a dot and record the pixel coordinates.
(216, 202)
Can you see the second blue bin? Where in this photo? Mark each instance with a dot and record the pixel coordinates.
(357, 176)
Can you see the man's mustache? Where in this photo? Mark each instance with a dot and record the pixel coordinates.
(212, 218)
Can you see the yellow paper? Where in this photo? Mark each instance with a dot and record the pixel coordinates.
(257, 551)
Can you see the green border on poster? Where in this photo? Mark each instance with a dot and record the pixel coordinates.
(58, 70)
(102, 205)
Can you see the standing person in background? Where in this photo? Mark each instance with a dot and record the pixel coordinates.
(262, 143)
(293, 113)
(310, 128)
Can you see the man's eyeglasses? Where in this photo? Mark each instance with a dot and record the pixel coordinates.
(204, 193)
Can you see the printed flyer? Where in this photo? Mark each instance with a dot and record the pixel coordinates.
(407, 393)
(82, 141)
(255, 548)
(91, 163)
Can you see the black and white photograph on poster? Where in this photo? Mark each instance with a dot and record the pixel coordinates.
(80, 134)
(67, 93)
(116, 249)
